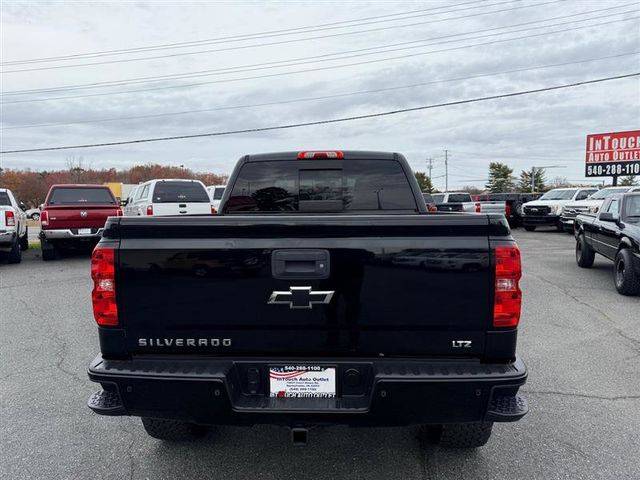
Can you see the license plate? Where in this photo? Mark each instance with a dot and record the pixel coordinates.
(84, 231)
(291, 381)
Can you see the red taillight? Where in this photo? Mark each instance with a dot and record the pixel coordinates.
(478, 209)
(507, 210)
(119, 212)
(103, 268)
(213, 210)
(508, 297)
(9, 218)
(150, 210)
(433, 208)
(44, 218)
(326, 154)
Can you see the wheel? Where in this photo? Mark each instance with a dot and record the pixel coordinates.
(49, 251)
(529, 228)
(15, 255)
(626, 280)
(585, 255)
(35, 216)
(24, 241)
(457, 435)
(172, 430)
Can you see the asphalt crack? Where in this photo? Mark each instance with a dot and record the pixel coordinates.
(582, 395)
(634, 344)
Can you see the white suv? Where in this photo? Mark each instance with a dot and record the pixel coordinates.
(169, 197)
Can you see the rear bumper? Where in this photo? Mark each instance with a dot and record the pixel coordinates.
(7, 239)
(537, 220)
(71, 234)
(567, 223)
(387, 392)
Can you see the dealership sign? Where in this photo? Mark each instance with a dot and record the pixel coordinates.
(612, 154)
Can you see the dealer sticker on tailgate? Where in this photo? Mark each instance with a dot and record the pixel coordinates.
(302, 381)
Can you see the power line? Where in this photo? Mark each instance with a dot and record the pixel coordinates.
(242, 37)
(317, 68)
(324, 97)
(286, 41)
(329, 121)
(304, 60)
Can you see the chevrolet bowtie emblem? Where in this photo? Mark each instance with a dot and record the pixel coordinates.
(301, 297)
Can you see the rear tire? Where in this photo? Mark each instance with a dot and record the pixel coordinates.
(626, 280)
(457, 435)
(49, 251)
(585, 255)
(24, 241)
(172, 430)
(529, 228)
(15, 255)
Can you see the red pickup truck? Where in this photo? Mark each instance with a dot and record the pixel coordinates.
(73, 216)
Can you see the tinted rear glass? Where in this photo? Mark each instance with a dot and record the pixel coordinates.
(459, 197)
(438, 198)
(313, 186)
(218, 193)
(180, 192)
(81, 196)
(4, 199)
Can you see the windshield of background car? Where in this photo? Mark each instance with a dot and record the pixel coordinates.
(606, 193)
(632, 208)
(332, 186)
(4, 199)
(218, 193)
(81, 196)
(180, 192)
(559, 194)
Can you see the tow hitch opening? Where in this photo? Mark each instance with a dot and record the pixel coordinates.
(299, 436)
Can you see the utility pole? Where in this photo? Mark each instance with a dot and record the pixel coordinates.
(446, 170)
(430, 160)
(533, 179)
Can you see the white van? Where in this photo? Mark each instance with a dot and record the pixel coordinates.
(216, 192)
(169, 197)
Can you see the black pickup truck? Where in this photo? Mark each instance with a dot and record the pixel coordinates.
(317, 296)
(615, 234)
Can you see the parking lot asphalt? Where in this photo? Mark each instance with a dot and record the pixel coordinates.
(579, 338)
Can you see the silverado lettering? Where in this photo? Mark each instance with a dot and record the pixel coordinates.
(184, 342)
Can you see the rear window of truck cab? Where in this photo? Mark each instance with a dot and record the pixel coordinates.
(80, 196)
(4, 199)
(180, 192)
(321, 186)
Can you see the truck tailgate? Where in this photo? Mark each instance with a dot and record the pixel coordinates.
(376, 285)
(85, 216)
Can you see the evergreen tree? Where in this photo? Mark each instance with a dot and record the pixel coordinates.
(629, 181)
(524, 183)
(424, 182)
(499, 178)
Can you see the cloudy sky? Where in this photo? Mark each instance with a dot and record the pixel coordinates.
(81, 72)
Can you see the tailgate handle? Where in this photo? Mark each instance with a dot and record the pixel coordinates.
(300, 264)
(182, 205)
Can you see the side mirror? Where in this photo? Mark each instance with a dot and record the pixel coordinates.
(22, 206)
(123, 203)
(608, 217)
